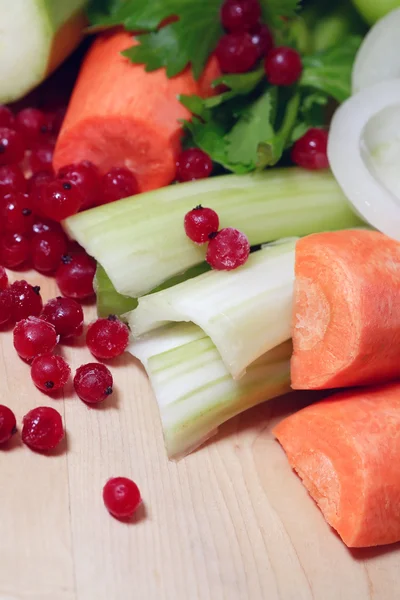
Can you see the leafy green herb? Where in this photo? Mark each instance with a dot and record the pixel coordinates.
(274, 10)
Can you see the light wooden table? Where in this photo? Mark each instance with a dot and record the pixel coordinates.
(229, 522)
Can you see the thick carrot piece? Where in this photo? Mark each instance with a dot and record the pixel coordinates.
(346, 322)
(119, 115)
(346, 450)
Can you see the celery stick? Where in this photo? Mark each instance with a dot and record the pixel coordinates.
(140, 241)
(245, 312)
(194, 391)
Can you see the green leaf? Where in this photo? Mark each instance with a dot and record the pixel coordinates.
(191, 39)
(330, 71)
(270, 150)
(273, 10)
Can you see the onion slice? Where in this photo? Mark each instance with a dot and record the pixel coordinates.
(378, 58)
(355, 153)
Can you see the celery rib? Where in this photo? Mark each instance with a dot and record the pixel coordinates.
(141, 243)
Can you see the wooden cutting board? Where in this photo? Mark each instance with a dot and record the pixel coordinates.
(231, 521)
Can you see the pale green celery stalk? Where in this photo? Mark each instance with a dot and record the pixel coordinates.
(110, 302)
(194, 391)
(245, 312)
(141, 242)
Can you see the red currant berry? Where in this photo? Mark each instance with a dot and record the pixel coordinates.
(32, 125)
(33, 336)
(43, 225)
(121, 497)
(199, 223)
(228, 250)
(236, 53)
(193, 164)
(6, 306)
(26, 300)
(118, 183)
(14, 250)
(12, 147)
(93, 383)
(55, 120)
(50, 372)
(16, 213)
(310, 151)
(60, 199)
(66, 315)
(240, 15)
(85, 175)
(36, 185)
(41, 157)
(107, 338)
(42, 429)
(3, 279)
(7, 118)
(11, 180)
(262, 39)
(46, 251)
(8, 424)
(75, 275)
(283, 66)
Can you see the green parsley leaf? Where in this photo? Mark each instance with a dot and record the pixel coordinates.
(274, 10)
(270, 150)
(190, 40)
(330, 71)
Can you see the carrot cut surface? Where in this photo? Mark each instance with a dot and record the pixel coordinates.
(346, 450)
(346, 321)
(119, 115)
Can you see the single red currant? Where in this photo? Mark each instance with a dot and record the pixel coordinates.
(43, 225)
(107, 338)
(193, 164)
(8, 424)
(262, 38)
(118, 183)
(240, 15)
(12, 146)
(33, 336)
(55, 120)
(85, 175)
(36, 185)
(66, 315)
(75, 275)
(93, 383)
(3, 279)
(7, 118)
(228, 250)
(311, 150)
(41, 157)
(46, 251)
(16, 213)
(26, 300)
(121, 497)
(50, 372)
(236, 53)
(60, 199)
(42, 429)
(199, 223)
(32, 124)
(5, 307)
(283, 66)
(14, 250)
(11, 180)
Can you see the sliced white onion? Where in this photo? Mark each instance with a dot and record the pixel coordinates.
(363, 146)
(378, 58)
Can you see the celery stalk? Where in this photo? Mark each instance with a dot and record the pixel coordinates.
(194, 391)
(245, 312)
(140, 241)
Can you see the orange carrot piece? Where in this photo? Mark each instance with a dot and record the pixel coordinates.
(346, 322)
(346, 450)
(119, 115)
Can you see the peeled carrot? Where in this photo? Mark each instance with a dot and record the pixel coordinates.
(119, 115)
(346, 323)
(346, 450)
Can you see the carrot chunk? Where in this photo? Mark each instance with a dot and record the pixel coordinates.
(346, 450)
(119, 115)
(346, 321)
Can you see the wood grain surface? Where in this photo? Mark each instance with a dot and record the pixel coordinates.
(231, 521)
